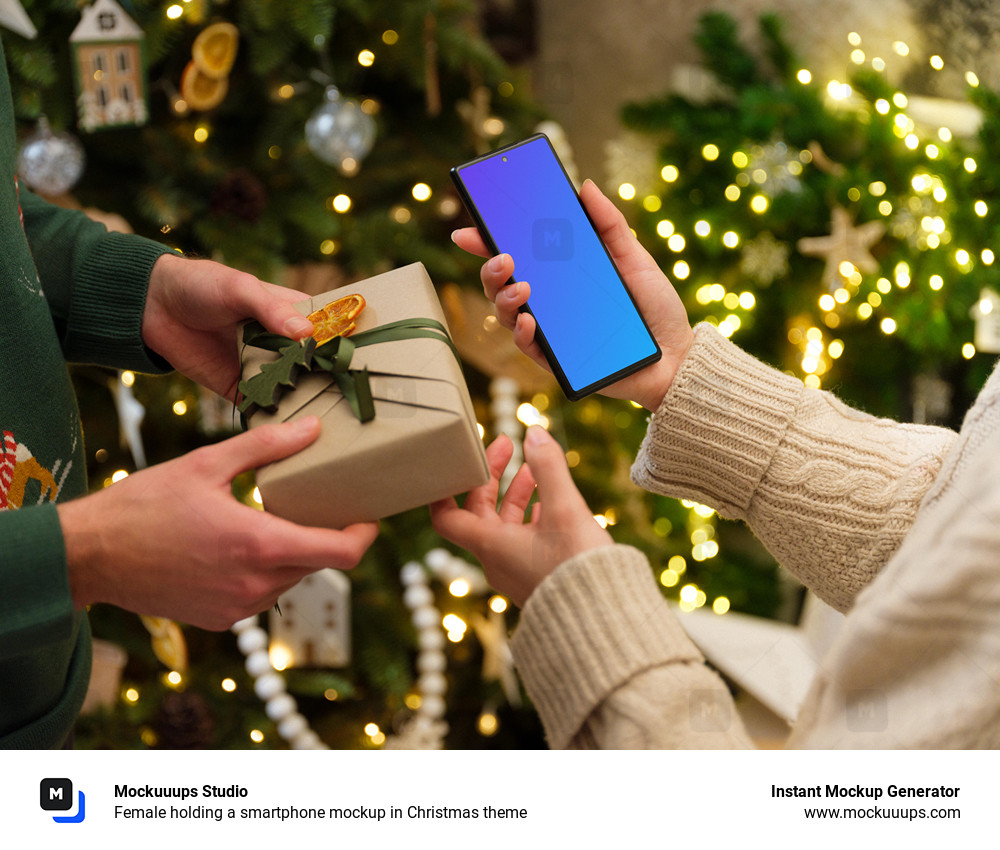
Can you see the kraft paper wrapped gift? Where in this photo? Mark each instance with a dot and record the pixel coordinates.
(423, 443)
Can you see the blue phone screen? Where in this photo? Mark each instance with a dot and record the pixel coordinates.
(579, 302)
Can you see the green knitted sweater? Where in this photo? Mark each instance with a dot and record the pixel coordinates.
(69, 292)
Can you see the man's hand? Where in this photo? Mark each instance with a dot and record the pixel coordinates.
(193, 308)
(657, 299)
(172, 541)
(517, 555)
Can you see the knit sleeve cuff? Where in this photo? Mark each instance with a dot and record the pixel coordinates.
(712, 438)
(35, 606)
(109, 297)
(592, 625)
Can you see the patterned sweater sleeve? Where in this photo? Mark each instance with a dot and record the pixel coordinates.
(831, 492)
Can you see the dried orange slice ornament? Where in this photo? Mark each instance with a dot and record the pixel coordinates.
(336, 318)
(214, 49)
(200, 90)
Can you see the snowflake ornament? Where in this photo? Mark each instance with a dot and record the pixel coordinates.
(773, 169)
(765, 259)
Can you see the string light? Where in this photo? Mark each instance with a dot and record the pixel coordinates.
(281, 656)
(459, 587)
(487, 724)
(455, 627)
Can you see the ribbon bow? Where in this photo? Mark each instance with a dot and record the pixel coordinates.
(333, 357)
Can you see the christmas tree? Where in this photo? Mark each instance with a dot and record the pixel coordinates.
(832, 227)
(841, 230)
(824, 225)
(308, 143)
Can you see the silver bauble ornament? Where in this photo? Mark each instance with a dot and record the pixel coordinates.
(50, 163)
(339, 132)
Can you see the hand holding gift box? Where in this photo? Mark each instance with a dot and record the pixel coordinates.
(411, 440)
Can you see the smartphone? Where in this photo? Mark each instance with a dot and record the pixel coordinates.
(588, 325)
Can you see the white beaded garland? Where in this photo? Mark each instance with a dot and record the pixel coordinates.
(418, 596)
(269, 685)
(430, 640)
(433, 706)
(434, 684)
(426, 617)
(251, 640)
(292, 726)
(280, 707)
(427, 728)
(258, 663)
(432, 662)
(504, 397)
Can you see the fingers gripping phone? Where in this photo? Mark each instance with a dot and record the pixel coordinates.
(587, 323)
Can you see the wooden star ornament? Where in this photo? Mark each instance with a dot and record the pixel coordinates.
(846, 243)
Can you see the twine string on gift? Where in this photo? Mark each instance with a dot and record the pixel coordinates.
(332, 357)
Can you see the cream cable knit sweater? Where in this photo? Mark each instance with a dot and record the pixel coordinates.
(898, 525)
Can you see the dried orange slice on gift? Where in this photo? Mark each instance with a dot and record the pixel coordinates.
(336, 318)
(200, 90)
(214, 50)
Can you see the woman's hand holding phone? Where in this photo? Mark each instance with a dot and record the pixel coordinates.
(653, 293)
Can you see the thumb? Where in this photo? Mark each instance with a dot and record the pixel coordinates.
(545, 458)
(258, 447)
(276, 313)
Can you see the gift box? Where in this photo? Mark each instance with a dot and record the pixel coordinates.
(421, 444)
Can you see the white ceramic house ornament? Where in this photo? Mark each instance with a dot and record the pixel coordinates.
(313, 627)
(109, 65)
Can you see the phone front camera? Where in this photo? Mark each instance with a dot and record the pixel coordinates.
(504, 158)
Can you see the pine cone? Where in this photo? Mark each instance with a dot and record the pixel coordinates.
(184, 721)
(240, 193)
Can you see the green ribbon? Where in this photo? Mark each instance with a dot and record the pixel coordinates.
(334, 357)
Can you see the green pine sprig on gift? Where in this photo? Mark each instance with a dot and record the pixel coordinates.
(264, 388)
